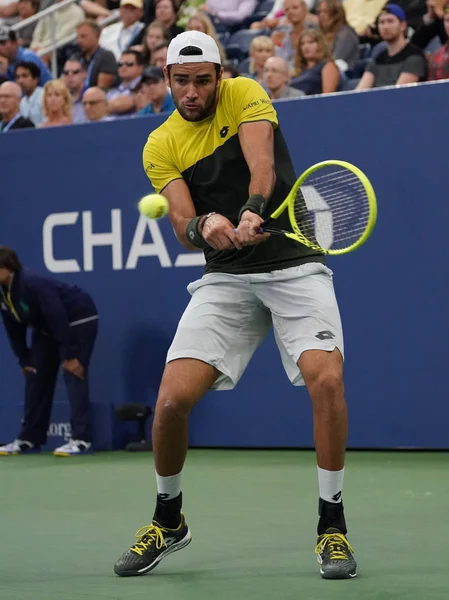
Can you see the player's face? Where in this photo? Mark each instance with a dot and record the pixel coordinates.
(194, 90)
(390, 27)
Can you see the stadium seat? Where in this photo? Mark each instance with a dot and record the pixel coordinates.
(357, 70)
(243, 66)
(365, 50)
(242, 40)
(260, 13)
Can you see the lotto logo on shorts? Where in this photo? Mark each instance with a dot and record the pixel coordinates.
(325, 335)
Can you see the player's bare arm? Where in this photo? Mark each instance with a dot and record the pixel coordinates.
(216, 230)
(257, 143)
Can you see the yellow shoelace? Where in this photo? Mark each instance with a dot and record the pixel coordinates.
(147, 536)
(337, 545)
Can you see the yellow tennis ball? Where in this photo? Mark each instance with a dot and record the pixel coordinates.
(153, 206)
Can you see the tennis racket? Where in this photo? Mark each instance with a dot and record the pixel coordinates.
(332, 208)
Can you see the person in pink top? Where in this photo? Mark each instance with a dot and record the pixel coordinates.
(230, 12)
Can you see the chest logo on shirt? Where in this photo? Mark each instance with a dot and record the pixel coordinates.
(224, 131)
(24, 307)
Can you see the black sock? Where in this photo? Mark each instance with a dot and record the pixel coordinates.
(168, 512)
(331, 515)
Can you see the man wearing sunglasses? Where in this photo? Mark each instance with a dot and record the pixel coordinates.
(74, 75)
(122, 99)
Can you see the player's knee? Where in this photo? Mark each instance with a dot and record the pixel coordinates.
(173, 401)
(326, 388)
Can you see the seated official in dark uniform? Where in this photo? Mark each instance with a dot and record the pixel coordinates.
(64, 323)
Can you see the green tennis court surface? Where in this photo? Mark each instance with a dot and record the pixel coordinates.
(253, 518)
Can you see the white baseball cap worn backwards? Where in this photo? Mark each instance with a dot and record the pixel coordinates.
(197, 39)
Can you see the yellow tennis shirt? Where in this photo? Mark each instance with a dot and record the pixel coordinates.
(208, 156)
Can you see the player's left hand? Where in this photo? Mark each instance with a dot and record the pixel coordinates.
(74, 366)
(248, 231)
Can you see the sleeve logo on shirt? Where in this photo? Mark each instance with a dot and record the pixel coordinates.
(224, 131)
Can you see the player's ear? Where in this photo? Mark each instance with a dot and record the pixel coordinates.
(167, 76)
(220, 75)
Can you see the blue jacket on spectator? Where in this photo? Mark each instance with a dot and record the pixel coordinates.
(168, 106)
(23, 54)
(47, 305)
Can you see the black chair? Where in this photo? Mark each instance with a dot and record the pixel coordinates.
(139, 413)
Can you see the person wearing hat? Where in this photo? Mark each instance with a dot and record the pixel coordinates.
(221, 161)
(401, 62)
(120, 36)
(158, 97)
(10, 49)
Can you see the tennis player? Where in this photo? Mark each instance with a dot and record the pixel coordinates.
(221, 161)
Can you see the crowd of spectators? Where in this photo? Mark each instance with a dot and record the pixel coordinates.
(111, 53)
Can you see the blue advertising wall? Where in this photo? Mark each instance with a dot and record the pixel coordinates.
(68, 206)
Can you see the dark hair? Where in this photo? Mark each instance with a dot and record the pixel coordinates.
(138, 56)
(76, 58)
(92, 24)
(33, 69)
(192, 51)
(172, 2)
(9, 259)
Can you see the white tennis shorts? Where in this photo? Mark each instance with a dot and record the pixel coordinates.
(228, 317)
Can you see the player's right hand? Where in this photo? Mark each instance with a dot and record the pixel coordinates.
(219, 233)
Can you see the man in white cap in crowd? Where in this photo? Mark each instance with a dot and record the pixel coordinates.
(223, 165)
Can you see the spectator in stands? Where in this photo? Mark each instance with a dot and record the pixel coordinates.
(120, 36)
(26, 9)
(230, 12)
(401, 62)
(432, 25)
(167, 14)
(315, 71)
(286, 37)
(154, 35)
(10, 96)
(439, 62)
(341, 39)
(57, 104)
(99, 63)
(95, 105)
(3, 67)
(8, 12)
(159, 55)
(362, 15)
(122, 99)
(276, 79)
(230, 72)
(201, 22)
(260, 50)
(66, 20)
(188, 8)
(158, 97)
(74, 75)
(10, 49)
(276, 16)
(27, 76)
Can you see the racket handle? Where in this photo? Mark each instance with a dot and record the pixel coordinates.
(263, 225)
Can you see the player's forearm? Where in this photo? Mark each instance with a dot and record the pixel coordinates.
(263, 177)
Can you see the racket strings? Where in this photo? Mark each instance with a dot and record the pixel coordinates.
(332, 208)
